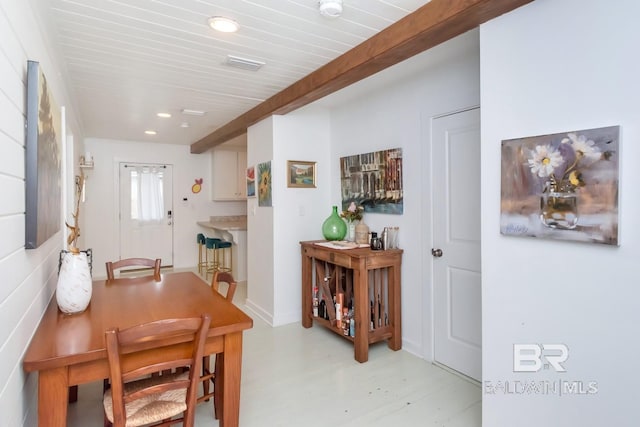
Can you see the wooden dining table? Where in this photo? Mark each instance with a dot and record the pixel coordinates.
(68, 349)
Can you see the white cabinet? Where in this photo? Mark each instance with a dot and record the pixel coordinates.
(229, 169)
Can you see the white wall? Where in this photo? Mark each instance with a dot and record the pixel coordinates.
(548, 67)
(260, 231)
(441, 80)
(274, 264)
(300, 212)
(357, 120)
(28, 277)
(99, 212)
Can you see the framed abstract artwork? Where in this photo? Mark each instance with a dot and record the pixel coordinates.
(43, 155)
(562, 186)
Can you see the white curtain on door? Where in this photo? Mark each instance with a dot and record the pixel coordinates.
(147, 201)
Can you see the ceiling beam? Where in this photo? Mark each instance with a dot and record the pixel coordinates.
(430, 25)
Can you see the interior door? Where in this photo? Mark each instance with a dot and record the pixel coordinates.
(456, 242)
(146, 211)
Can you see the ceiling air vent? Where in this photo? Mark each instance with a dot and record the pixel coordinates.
(245, 64)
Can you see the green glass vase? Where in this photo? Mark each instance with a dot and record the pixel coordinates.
(334, 228)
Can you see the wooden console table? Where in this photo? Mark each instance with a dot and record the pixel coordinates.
(364, 278)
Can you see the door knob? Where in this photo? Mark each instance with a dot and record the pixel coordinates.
(436, 252)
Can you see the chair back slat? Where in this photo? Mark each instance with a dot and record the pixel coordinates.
(155, 264)
(225, 277)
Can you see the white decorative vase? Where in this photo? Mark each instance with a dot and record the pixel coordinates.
(73, 293)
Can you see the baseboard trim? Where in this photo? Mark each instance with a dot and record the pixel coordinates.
(456, 373)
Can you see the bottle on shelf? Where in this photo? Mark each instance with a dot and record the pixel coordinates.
(352, 324)
(372, 324)
(385, 239)
(345, 321)
(315, 301)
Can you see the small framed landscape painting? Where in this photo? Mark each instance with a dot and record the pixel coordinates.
(301, 174)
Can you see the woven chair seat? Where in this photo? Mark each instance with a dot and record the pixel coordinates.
(154, 407)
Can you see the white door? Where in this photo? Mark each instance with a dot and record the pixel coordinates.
(146, 211)
(456, 242)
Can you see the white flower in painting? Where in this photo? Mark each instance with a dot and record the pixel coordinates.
(583, 147)
(562, 165)
(545, 160)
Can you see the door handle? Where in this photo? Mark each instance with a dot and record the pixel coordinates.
(437, 253)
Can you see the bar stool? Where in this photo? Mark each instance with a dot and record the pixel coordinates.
(200, 238)
(223, 248)
(211, 256)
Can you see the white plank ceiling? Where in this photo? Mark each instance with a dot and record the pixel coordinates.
(128, 60)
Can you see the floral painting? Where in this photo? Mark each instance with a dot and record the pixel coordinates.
(562, 186)
(251, 181)
(264, 184)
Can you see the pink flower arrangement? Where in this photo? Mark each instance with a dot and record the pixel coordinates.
(353, 212)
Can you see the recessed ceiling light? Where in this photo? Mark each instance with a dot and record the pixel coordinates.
(150, 132)
(193, 112)
(330, 8)
(184, 125)
(164, 115)
(222, 24)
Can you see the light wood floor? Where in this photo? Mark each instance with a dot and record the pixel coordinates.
(299, 377)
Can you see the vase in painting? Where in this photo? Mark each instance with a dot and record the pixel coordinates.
(559, 208)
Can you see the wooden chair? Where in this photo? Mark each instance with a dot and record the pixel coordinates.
(207, 378)
(111, 267)
(133, 262)
(136, 398)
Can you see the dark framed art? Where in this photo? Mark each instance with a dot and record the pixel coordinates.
(43, 155)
